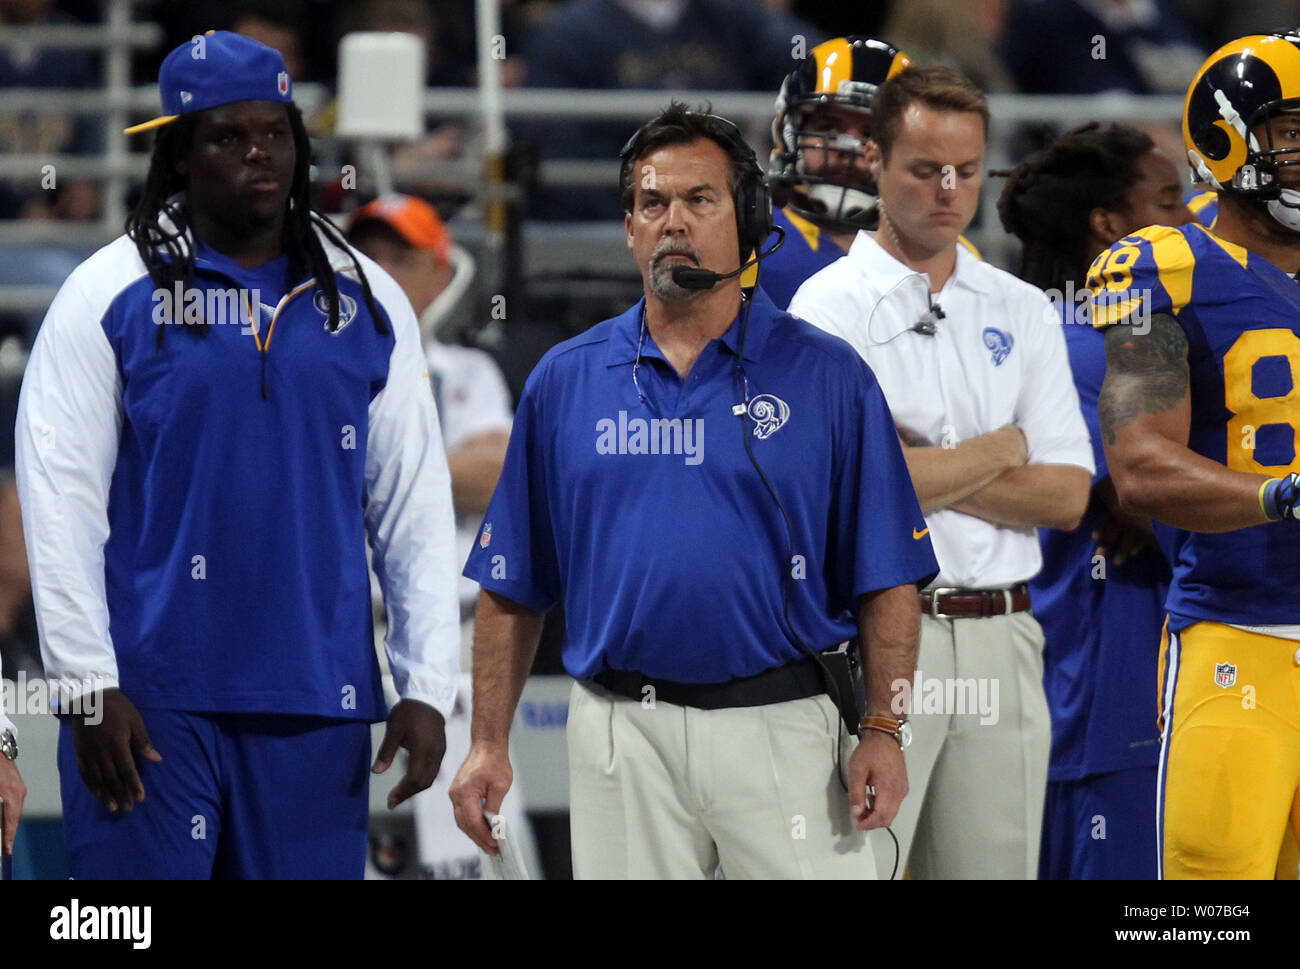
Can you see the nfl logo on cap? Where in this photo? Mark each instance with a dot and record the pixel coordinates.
(282, 82)
(1225, 674)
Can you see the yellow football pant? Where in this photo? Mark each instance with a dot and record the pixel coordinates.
(1230, 757)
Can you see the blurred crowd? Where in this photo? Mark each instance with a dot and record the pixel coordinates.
(1031, 46)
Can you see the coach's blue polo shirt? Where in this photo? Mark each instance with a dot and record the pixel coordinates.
(650, 523)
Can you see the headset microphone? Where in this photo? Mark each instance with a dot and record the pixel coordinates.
(686, 277)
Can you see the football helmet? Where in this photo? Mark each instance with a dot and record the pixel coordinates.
(843, 72)
(1242, 84)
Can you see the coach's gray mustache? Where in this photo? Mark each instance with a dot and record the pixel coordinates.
(661, 253)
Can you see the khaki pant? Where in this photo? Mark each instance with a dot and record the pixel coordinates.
(977, 779)
(664, 791)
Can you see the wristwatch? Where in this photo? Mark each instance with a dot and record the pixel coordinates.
(9, 745)
(900, 730)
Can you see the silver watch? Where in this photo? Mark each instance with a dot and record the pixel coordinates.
(9, 745)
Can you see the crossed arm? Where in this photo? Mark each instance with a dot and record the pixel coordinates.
(988, 477)
(1145, 409)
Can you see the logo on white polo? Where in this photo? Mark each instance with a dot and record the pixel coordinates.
(998, 343)
(769, 414)
(655, 436)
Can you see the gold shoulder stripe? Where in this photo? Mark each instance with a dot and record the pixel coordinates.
(811, 233)
(1237, 252)
(970, 246)
(1174, 261)
(1199, 202)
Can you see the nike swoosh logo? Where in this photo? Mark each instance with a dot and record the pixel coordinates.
(921, 534)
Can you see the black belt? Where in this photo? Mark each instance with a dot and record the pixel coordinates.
(794, 681)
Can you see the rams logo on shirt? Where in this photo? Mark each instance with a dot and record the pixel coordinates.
(769, 414)
(999, 344)
(347, 309)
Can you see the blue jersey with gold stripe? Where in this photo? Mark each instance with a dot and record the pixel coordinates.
(1203, 205)
(807, 249)
(1241, 315)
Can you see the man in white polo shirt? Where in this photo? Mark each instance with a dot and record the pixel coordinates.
(974, 367)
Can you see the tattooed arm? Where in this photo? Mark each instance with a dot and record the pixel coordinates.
(1145, 409)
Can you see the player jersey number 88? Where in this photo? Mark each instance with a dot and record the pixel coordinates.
(1233, 334)
(1241, 316)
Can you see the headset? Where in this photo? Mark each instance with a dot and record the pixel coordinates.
(751, 200)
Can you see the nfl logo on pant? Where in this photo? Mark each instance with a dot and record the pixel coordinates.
(1225, 674)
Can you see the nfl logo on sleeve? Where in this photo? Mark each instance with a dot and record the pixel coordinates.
(485, 539)
(1225, 674)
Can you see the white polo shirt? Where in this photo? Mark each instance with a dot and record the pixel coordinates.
(997, 357)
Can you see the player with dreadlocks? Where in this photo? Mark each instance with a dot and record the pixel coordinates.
(196, 508)
(1101, 617)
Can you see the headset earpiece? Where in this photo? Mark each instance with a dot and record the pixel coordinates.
(753, 210)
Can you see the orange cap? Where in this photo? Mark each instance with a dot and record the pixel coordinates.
(414, 219)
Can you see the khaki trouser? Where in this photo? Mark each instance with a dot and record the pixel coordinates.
(977, 779)
(664, 791)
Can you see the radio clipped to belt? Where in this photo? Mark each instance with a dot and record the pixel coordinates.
(845, 683)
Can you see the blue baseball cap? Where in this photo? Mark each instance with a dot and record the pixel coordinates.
(218, 68)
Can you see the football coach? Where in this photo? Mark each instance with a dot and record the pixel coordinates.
(715, 491)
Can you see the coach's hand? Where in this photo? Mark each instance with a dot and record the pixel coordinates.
(481, 784)
(878, 763)
(105, 751)
(422, 731)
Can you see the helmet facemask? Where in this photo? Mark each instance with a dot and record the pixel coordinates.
(1261, 176)
(841, 196)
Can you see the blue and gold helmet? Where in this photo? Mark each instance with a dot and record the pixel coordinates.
(1241, 85)
(844, 72)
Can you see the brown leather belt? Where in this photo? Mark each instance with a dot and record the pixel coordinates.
(968, 603)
